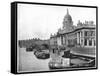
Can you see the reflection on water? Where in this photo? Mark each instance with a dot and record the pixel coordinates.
(28, 62)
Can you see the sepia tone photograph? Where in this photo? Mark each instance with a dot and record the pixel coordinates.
(53, 38)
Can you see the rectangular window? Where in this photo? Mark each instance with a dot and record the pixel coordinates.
(68, 42)
(81, 33)
(90, 42)
(85, 42)
(93, 33)
(85, 33)
(89, 33)
(53, 51)
(94, 43)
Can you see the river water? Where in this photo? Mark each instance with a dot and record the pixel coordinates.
(27, 62)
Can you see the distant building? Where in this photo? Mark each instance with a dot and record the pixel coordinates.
(81, 35)
(31, 42)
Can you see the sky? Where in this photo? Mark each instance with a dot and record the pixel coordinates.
(40, 21)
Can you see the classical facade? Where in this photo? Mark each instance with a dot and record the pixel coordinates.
(83, 34)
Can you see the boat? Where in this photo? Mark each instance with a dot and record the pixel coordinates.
(29, 49)
(41, 55)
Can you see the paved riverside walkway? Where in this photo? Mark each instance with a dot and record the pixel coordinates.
(85, 51)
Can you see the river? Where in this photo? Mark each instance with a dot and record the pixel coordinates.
(27, 62)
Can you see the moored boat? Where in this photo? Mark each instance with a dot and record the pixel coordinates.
(41, 55)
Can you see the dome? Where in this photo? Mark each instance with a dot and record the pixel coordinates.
(67, 22)
(67, 17)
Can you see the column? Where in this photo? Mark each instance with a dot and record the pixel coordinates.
(83, 36)
(59, 40)
(92, 42)
(77, 37)
(63, 40)
(87, 42)
(80, 37)
(66, 39)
